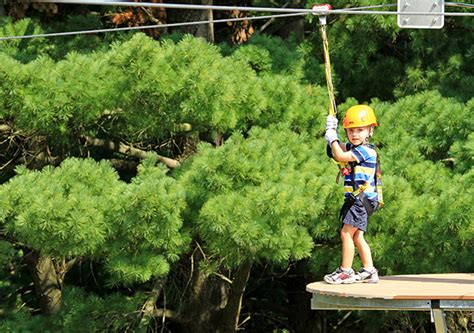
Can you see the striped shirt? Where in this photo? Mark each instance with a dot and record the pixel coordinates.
(364, 170)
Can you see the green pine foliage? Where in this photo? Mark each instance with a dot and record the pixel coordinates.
(463, 153)
(441, 60)
(258, 58)
(10, 85)
(288, 101)
(26, 50)
(61, 211)
(64, 98)
(435, 124)
(268, 53)
(89, 43)
(9, 280)
(184, 82)
(361, 49)
(22, 49)
(148, 236)
(373, 57)
(125, 90)
(257, 198)
(81, 209)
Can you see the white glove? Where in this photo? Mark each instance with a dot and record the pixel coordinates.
(331, 136)
(331, 122)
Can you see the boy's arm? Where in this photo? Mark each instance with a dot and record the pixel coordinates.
(340, 154)
(338, 151)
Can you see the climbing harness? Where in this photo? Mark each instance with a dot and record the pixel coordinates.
(358, 192)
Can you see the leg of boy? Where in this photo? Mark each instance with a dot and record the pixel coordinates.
(368, 273)
(347, 235)
(364, 249)
(344, 274)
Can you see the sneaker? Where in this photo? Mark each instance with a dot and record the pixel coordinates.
(340, 276)
(367, 276)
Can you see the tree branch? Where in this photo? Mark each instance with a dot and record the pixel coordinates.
(231, 313)
(41, 158)
(5, 128)
(149, 307)
(172, 315)
(12, 240)
(129, 150)
(63, 267)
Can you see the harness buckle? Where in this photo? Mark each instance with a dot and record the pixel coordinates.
(346, 171)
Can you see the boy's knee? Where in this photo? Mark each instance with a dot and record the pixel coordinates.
(345, 234)
(359, 233)
(358, 241)
(359, 237)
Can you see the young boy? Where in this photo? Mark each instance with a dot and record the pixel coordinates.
(359, 122)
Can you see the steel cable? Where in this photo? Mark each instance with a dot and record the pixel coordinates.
(288, 12)
(155, 26)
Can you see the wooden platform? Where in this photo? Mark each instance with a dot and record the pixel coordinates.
(429, 292)
(459, 286)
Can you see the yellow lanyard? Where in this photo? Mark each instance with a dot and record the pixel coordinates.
(332, 101)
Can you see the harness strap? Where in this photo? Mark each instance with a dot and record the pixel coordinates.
(359, 192)
(378, 182)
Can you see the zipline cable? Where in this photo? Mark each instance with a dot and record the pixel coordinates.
(459, 4)
(181, 6)
(188, 6)
(156, 26)
(169, 25)
(288, 12)
(249, 9)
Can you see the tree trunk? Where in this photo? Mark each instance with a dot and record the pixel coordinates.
(215, 302)
(208, 295)
(188, 15)
(229, 316)
(47, 287)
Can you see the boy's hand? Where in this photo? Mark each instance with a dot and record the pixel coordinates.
(331, 122)
(331, 136)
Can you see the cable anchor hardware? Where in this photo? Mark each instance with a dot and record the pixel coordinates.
(320, 10)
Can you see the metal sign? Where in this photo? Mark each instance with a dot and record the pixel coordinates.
(408, 17)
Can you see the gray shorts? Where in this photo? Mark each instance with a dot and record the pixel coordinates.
(356, 214)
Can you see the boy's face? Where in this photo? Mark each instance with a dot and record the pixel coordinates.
(358, 135)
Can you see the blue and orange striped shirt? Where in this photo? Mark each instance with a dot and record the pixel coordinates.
(364, 170)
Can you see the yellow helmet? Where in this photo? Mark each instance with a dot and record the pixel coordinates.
(359, 116)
